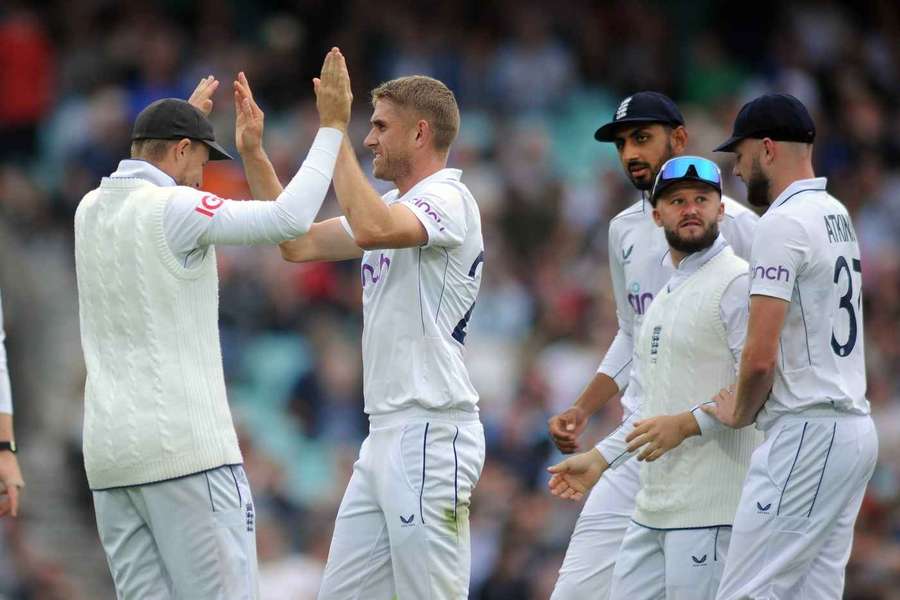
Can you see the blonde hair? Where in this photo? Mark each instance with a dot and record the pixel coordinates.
(428, 97)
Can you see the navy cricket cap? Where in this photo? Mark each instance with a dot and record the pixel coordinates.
(779, 117)
(175, 119)
(642, 107)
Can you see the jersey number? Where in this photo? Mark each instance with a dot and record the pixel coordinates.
(459, 332)
(846, 303)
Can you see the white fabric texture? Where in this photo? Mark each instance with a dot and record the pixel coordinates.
(6, 405)
(587, 570)
(417, 303)
(794, 526)
(806, 252)
(192, 537)
(683, 564)
(640, 265)
(402, 529)
(155, 403)
(683, 354)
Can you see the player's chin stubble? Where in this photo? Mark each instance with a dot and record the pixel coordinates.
(757, 187)
(696, 245)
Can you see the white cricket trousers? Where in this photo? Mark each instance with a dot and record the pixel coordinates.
(190, 538)
(402, 530)
(587, 570)
(794, 526)
(670, 564)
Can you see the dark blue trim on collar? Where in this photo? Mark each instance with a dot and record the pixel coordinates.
(801, 192)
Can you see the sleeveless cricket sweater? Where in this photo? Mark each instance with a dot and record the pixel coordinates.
(685, 360)
(155, 402)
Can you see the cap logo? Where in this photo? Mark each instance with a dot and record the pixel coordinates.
(622, 111)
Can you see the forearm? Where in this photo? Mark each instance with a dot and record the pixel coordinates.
(597, 393)
(261, 176)
(753, 388)
(368, 215)
(6, 427)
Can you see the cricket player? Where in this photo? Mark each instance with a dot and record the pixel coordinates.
(402, 530)
(803, 372)
(689, 346)
(173, 506)
(10, 475)
(648, 130)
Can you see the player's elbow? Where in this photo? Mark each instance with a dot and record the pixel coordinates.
(369, 239)
(290, 252)
(758, 365)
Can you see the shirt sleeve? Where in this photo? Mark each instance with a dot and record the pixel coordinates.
(613, 447)
(617, 362)
(5, 388)
(741, 232)
(780, 253)
(442, 211)
(194, 219)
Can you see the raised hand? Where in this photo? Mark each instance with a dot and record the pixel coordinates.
(575, 476)
(248, 117)
(333, 95)
(201, 99)
(566, 427)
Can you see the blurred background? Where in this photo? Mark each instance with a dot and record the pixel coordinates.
(533, 82)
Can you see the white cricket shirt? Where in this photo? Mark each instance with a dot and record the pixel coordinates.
(640, 265)
(806, 252)
(417, 303)
(5, 390)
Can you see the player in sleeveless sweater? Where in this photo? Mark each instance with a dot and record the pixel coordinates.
(402, 529)
(173, 506)
(803, 372)
(688, 347)
(648, 130)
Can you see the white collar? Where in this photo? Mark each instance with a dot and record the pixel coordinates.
(132, 168)
(690, 263)
(816, 184)
(442, 175)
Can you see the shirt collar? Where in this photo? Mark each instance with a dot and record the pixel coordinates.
(132, 168)
(690, 263)
(442, 175)
(816, 184)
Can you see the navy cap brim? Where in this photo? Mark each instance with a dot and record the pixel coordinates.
(607, 133)
(729, 144)
(217, 152)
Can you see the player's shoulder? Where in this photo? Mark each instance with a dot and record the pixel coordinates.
(635, 213)
(737, 210)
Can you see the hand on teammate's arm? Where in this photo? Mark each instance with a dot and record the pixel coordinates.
(567, 426)
(575, 476)
(11, 481)
(248, 132)
(657, 435)
(739, 408)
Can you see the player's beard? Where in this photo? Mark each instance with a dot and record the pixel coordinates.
(394, 168)
(653, 170)
(689, 246)
(757, 186)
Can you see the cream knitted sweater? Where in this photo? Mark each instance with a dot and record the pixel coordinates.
(155, 404)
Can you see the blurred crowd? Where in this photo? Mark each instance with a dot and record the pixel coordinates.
(533, 82)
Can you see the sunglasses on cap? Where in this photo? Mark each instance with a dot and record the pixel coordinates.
(686, 168)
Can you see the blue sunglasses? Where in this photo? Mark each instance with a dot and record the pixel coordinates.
(687, 168)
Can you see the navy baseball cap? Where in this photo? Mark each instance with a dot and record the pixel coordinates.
(642, 107)
(779, 117)
(175, 119)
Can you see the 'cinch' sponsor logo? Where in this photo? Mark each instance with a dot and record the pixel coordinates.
(772, 273)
